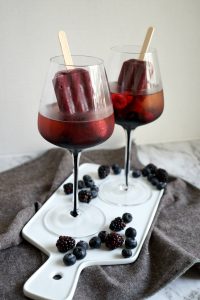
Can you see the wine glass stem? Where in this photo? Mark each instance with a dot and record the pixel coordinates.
(76, 157)
(127, 155)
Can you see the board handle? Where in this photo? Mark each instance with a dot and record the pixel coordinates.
(53, 280)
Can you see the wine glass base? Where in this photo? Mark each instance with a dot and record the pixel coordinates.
(114, 191)
(89, 221)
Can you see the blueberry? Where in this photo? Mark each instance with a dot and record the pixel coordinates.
(130, 243)
(95, 242)
(161, 185)
(154, 181)
(86, 178)
(95, 187)
(126, 253)
(150, 177)
(136, 173)
(79, 252)
(94, 193)
(89, 183)
(102, 235)
(131, 232)
(81, 184)
(69, 259)
(82, 244)
(116, 169)
(127, 217)
(146, 172)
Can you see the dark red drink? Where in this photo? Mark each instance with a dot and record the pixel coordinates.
(75, 131)
(132, 110)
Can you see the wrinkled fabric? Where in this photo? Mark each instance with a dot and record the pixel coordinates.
(171, 248)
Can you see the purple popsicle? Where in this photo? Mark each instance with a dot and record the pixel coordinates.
(73, 89)
(133, 76)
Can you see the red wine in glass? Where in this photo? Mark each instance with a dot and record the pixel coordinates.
(75, 132)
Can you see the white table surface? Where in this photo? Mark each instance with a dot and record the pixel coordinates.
(181, 159)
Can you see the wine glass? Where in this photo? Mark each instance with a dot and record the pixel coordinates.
(137, 96)
(75, 113)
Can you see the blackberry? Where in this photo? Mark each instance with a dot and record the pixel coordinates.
(102, 235)
(136, 173)
(131, 232)
(95, 242)
(103, 171)
(116, 169)
(81, 184)
(152, 168)
(85, 196)
(126, 253)
(69, 259)
(82, 244)
(65, 243)
(114, 240)
(127, 217)
(79, 252)
(162, 175)
(130, 243)
(117, 224)
(68, 188)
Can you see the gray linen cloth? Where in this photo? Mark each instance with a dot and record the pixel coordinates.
(171, 247)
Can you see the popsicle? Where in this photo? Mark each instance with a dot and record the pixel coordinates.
(133, 74)
(73, 86)
(73, 89)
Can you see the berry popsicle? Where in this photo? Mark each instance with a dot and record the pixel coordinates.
(133, 76)
(73, 86)
(134, 73)
(73, 89)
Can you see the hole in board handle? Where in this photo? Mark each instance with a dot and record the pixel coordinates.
(57, 276)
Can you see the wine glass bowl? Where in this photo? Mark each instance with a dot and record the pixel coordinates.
(137, 96)
(75, 113)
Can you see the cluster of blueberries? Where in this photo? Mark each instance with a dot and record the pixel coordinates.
(112, 240)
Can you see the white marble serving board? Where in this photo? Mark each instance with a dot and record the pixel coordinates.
(42, 285)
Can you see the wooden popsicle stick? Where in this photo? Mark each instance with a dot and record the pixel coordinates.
(146, 42)
(65, 49)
